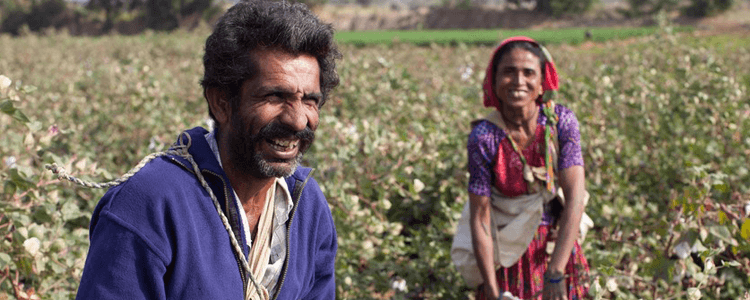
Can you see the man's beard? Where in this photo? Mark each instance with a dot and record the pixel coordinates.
(243, 146)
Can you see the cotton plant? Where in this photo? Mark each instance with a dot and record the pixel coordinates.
(390, 155)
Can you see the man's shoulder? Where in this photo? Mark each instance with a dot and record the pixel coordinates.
(158, 174)
(159, 181)
(168, 172)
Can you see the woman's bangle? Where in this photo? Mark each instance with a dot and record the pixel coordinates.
(555, 280)
(554, 277)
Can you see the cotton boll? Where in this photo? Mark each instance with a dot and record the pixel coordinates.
(694, 293)
(611, 285)
(32, 246)
(4, 84)
(10, 162)
(398, 284)
(682, 250)
(418, 185)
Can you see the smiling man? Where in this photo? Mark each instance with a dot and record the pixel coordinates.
(230, 214)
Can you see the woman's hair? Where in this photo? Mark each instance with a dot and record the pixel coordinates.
(265, 24)
(528, 46)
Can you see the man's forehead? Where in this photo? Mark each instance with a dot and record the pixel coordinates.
(283, 72)
(265, 57)
(266, 51)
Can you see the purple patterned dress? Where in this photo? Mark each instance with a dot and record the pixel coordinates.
(493, 162)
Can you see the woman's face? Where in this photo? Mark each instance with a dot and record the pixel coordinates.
(518, 79)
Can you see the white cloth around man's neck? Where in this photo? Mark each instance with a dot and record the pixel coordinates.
(283, 207)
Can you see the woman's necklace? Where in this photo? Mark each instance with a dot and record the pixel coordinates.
(528, 176)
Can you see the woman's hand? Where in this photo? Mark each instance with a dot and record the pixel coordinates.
(491, 292)
(554, 286)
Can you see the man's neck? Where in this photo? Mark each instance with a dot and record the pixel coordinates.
(250, 190)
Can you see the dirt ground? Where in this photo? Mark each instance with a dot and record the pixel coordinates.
(356, 18)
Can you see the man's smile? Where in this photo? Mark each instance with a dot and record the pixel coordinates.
(283, 148)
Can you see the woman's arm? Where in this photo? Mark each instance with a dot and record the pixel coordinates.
(573, 184)
(571, 179)
(481, 237)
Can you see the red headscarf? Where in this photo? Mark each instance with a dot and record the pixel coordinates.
(550, 82)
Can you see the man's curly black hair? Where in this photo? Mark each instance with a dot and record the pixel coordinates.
(266, 24)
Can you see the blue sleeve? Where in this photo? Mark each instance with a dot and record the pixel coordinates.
(324, 285)
(120, 264)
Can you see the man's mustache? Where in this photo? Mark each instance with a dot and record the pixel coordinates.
(277, 130)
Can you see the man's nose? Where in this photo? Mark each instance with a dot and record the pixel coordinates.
(294, 115)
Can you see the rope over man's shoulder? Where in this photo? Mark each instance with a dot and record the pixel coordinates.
(180, 148)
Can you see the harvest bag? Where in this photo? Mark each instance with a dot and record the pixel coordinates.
(514, 222)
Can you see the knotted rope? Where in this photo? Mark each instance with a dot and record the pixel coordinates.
(179, 149)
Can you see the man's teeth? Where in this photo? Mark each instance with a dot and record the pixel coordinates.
(285, 144)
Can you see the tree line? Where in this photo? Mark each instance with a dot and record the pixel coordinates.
(164, 15)
(161, 15)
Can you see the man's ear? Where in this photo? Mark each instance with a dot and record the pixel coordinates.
(219, 105)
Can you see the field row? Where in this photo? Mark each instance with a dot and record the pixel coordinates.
(493, 36)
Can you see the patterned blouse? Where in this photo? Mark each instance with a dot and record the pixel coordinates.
(488, 146)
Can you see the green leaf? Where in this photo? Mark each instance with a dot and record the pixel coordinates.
(41, 215)
(9, 188)
(19, 179)
(700, 278)
(721, 187)
(18, 115)
(28, 89)
(4, 260)
(721, 232)
(732, 263)
(7, 107)
(723, 218)
(745, 230)
(663, 228)
(662, 267)
(69, 211)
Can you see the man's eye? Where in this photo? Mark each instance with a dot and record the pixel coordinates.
(274, 95)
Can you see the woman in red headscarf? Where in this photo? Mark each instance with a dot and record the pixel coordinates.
(524, 159)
